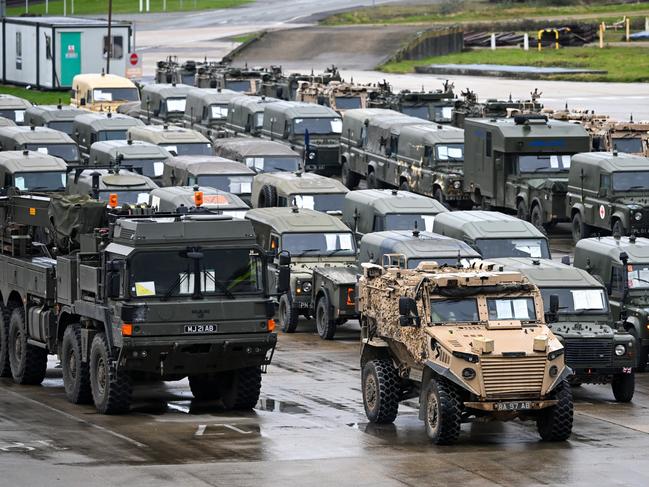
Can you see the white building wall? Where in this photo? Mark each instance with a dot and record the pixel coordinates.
(20, 67)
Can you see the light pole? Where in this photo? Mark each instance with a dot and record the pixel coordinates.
(109, 49)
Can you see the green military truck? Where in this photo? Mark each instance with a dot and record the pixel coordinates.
(494, 234)
(164, 104)
(32, 171)
(607, 192)
(375, 210)
(133, 296)
(177, 140)
(181, 199)
(40, 139)
(206, 111)
(323, 265)
(622, 264)
(595, 349)
(521, 165)
(258, 154)
(89, 128)
(57, 117)
(115, 187)
(136, 155)
(246, 115)
(13, 108)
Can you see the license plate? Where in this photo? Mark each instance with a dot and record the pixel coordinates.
(512, 406)
(200, 329)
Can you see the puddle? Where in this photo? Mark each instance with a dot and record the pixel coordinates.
(275, 406)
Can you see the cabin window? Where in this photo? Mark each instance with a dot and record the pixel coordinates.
(428, 155)
(48, 47)
(378, 223)
(117, 47)
(605, 181)
(487, 150)
(19, 50)
(363, 141)
(617, 280)
(394, 145)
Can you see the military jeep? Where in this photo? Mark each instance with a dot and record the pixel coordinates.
(32, 171)
(163, 103)
(57, 117)
(142, 157)
(207, 110)
(470, 344)
(259, 155)
(40, 139)
(608, 192)
(177, 140)
(117, 187)
(246, 114)
(13, 108)
(89, 128)
(102, 92)
(182, 199)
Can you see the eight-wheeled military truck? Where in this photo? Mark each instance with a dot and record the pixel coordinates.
(302, 190)
(246, 114)
(323, 265)
(40, 139)
(471, 344)
(258, 154)
(32, 171)
(207, 111)
(375, 210)
(494, 234)
(164, 104)
(133, 296)
(102, 92)
(138, 156)
(115, 187)
(608, 192)
(177, 140)
(312, 130)
(595, 349)
(180, 199)
(213, 171)
(13, 108)
(57, 117)
(89, 128)
(622, 264)
(521, 165)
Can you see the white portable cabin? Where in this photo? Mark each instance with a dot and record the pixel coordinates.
(48, 52)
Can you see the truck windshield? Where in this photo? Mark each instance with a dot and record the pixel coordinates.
(348, 102)
(543, 163)
(513, 247)
(240, 85)
(318, 125)
(67, 152)
(41, 181)
(519, 309)
(273, 164)
(61, 126)
(631, 181)
(309, 244)
(445, 311)
(190, 149)
(133, 197)
(115, 94)
(449, 152)
(442, 114)
(236, 184)
(407, 221)
(148, 167)
(176, 105)
(573, 301)
(112, 135)
(418, 111)
(218, 112)
(319, 202)
(171, 273)
(631, 145)
(638, 276)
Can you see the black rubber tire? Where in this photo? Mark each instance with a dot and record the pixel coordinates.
(555, 423)
(204, 387)
(268, 197)
(404, 186)
(372, 182)
(5, 368)
(442, 413)
(288, 315)
(536, 218)
(240, 389)
(439, 195)
(623, 386)
(76, 374)
(111, 390)
(381, 391)
(28, 363)
(579, 228)
(522, 212)
(325, 324)
(618, 228)
(350, 178)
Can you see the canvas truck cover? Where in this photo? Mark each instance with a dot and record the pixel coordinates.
(74, 215)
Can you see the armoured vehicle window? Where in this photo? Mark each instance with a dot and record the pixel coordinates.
(319, 202)
(125, 197)
(638, 276)
(192, 149)
(175, 105)
(348, 102)
(543, 163)
(301, 244)
(17, 116)
(630, 145)
(259, 120)
(513, 247)
(224, 271)
(112, 135)
(40, 181)
(273, 164)
(407, 221)
(454, 311)
(115, 94)
(631, 181)
(61, 125)
(238, 85)
(573, 301)
(442, 114)
(219, 111)
(449, 152)
(147, 167)
(521, 309)
(318, 125)
(416, 111)
(231, 184)
(450, 261)
(67, 152)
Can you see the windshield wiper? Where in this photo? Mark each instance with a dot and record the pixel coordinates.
(640, 186)
(335, 251)
(181, 278)
(220, 285)
(304, 251)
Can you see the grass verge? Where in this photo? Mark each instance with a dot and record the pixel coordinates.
(37, 97)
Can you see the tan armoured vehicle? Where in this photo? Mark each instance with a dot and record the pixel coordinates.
(630, 137)
(337, 95)
(102, 92)
(471, 344)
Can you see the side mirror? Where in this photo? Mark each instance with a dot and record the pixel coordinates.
(551, 315)
(284, 259)
(284, 275)
(565, 260)
(113, 269)
(82, 102)
(408, 315)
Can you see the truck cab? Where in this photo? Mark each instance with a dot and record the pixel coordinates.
(40, 139)
(138, 156)
(99, 127)
(115, 187)
(13, 108)
(57, 117)
(176, 140)
(246, 114)
(180, 199)
(206, 111)
(32, 171)
(259, 155)
(164, 104)
(102, 92)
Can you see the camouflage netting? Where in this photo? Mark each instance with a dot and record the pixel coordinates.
(73, 215)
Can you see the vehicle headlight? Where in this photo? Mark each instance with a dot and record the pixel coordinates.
(638, 216)
(555, 354)
(306, 286)
(554, 370)
(311, 155)
(620, 350)
(468, 373)
(457, 184)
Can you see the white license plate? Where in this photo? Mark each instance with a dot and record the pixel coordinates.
(200, 329)
(512, 406)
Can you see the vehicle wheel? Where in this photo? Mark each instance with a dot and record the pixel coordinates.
(239, 389)
(204, 388)
(111, 389)
(623, 387)
(28, 363)
(288, 315)
(5, 368)
(579, 228)
(404, 186)
(350, 178)
(536, 218)
(443, 412)
(268, 197)
(439, 195)
(381, 391)
(618, 228)
(555, 423)
(324, 323)
(521, 211)
(76, 375)
(372, 183)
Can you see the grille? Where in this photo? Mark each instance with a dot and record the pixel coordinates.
(585, 352)
(126, 233)
(513, 377)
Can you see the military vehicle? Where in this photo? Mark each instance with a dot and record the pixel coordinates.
(469, 107)
(312, 130)
(622, 264)
(115, 187)
(521, 164)
(171, 71)
(13, 108)
(132, 109)
(5, 122)
(302, 190)
(89, 128)
(274, 83)
(205, 71)
(595, 350)
(177, 140)
(32, 171)
(57, 117)
(40, 139)
(494, 234)
(323, 265)
(471, 344)
(102, 92)
(337, 95)
(164, 104)
(138, 156)
(259, 155)
(434, 106)
(630, 137)
(213, 171)
(133, 296)
(242, 80)
(246, 115)
(206, 111)
(376, 210)
(608, 192)
(182, 199)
